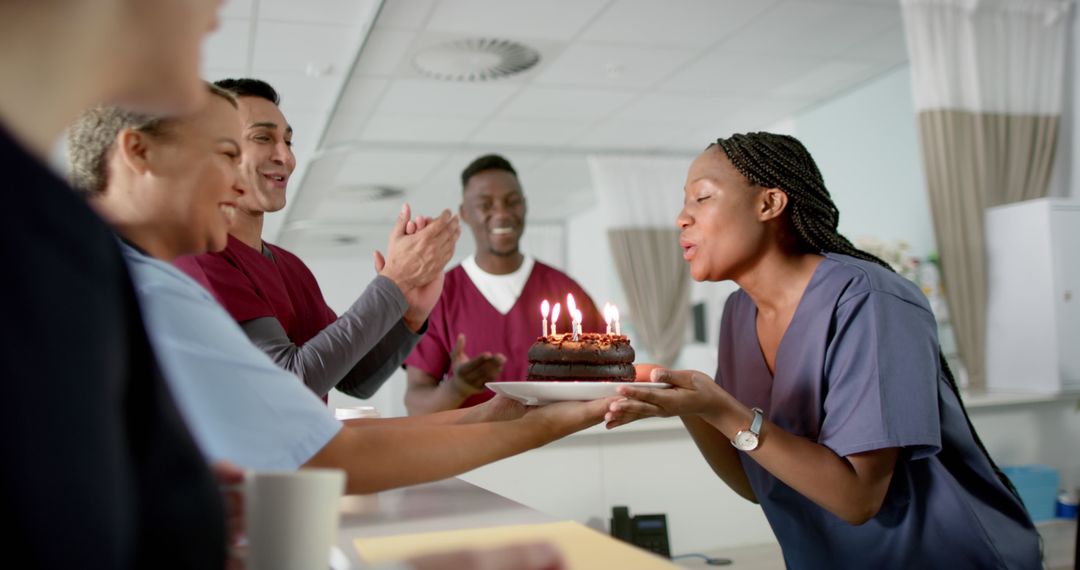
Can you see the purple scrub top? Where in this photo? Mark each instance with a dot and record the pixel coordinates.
(858, 370)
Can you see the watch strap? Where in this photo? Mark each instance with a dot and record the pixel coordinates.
(759, 418)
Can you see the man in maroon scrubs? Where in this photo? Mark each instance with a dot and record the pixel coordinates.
(492, 299)
(276, 299)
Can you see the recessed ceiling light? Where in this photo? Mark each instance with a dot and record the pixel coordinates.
(475, 59)
(369, 192)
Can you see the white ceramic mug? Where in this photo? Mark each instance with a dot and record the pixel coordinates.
(291, 517)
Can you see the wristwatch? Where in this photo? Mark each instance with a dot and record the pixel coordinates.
(748, 439)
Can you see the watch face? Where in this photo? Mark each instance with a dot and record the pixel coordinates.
(746, 440)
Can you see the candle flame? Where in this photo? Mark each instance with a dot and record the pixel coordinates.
(544, 308)
(571, 307)
(607, 313)
(555, 315)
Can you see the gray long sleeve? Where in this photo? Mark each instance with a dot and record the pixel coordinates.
(357, 352)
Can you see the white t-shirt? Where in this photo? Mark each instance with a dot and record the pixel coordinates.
(502, 291)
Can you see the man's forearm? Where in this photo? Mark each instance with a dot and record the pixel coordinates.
(329, 356)
(364, 379)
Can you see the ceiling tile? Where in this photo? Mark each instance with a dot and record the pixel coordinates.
(682, 108)
(564, 103)
(726, 73)
(289, 48)
(519, 19)
(337, 12)
(672, 23)
(816, 28)
(404, 14)
(889, 48)
(227, 47)
(396, 168)
(236, 9)
(338, 207)
(825, 80)
(361, 95)
(301, 94)
(604, 65)
(524, 132)
(383, 52)
(428, 96)
(429, 129)
(344, 128)
(224, 73)
(306, 127)
(622, 135)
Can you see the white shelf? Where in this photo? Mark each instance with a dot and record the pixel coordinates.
(1004, 399)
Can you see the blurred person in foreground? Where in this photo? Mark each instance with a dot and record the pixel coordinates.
(99, 470)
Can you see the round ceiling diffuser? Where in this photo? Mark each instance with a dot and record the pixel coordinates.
(475, 59)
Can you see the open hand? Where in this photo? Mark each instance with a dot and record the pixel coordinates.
(691, 393)
(560, 419)
(422, 297)
(471, 374)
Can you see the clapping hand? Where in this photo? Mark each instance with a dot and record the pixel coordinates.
(419, 249)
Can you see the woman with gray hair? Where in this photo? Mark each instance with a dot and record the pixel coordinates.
(169, 188)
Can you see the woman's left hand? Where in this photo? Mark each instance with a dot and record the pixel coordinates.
(691, 393)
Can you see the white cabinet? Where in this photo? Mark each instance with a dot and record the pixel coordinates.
(1033, 303)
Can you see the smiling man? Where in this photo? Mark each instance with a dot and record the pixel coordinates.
(492, 299)
(274, 296)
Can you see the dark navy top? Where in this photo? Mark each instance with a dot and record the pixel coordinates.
(858, 370)
(99, 470)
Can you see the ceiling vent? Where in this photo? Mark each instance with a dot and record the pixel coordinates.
(475, 59)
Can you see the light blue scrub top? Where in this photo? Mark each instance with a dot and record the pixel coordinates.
(238, 404)
(858, 370)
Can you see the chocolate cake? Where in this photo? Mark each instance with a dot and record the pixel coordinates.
(593, 357)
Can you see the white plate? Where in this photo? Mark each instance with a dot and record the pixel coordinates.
(536, 393)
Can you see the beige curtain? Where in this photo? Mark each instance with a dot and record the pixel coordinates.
(640, 197)
(974, 161)
(657, 285)
(988, 85)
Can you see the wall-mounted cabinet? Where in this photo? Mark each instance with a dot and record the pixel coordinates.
(1033, 304)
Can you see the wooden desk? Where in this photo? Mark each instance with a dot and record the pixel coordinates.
(454, 505)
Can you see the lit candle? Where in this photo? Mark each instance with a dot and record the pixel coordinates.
(577, 323)
(554, 317)
(607, 317)
(571, 309)
(544, 308)
(615, 317)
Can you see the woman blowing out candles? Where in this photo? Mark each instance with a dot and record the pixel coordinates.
(831, 406)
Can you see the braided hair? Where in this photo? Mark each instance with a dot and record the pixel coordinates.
(780, 161)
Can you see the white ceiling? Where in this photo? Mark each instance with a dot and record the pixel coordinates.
(640, 76)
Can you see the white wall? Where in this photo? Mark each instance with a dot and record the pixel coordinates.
(866, 145)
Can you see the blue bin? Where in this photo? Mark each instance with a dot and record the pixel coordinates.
(1038, 487)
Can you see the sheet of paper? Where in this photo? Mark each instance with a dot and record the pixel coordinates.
(583, 547)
